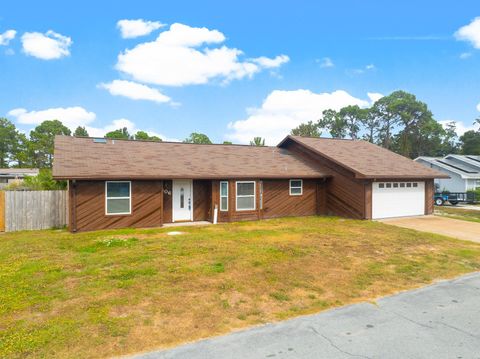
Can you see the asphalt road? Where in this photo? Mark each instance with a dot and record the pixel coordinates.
(438, 321)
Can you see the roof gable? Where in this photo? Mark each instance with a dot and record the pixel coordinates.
(364, 159)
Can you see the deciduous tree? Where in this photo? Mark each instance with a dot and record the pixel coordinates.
(142, 135)
(80, 132)
(308, 129)
(196, 137)
(119, 134)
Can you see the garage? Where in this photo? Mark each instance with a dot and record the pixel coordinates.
(398, 199)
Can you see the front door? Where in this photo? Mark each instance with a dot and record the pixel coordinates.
(182, 200)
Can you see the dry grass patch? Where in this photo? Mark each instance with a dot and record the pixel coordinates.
(116, 292)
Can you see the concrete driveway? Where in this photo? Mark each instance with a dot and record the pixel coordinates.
(441, 225)
(438, 321)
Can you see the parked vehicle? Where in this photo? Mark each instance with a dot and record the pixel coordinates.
(454, 198)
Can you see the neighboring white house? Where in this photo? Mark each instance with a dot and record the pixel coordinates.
(464, 172)
(8, 175)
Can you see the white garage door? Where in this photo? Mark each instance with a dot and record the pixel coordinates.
(398, 199)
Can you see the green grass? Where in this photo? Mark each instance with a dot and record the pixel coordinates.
(110, 293)
(469, 215)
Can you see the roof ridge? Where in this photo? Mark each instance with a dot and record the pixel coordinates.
(168, 142)
(330, 138)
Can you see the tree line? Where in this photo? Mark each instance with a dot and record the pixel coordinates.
(36, 150)
(398, 122)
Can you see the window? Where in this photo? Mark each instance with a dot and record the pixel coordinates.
(118, 197)
(389, 185)
(381, 185)
(409, 185)
(296, 187)
(395, 185)
(224, 196)
(182, 197)
(477, 183)
(245, 195)
(402, 184)
(414, 184)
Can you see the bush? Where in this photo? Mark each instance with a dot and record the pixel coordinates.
(42, 182)
(476, 193)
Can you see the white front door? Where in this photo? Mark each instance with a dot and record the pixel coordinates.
(182, 200)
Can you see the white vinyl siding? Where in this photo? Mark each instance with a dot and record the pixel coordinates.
(296, 187)
(118, 197)
(224, 196)
(245, 195)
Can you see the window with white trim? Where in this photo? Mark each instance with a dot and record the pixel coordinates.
(296, 187)
(245, 196)
(224, 196)
(118, 197)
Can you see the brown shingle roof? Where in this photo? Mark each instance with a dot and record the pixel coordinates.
(81, 158)
(365, 159)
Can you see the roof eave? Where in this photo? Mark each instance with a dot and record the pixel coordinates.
(167, 177)
(374, 177)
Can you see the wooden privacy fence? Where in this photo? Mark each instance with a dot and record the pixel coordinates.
(33, 210)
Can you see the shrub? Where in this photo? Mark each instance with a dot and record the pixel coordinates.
(42, 182)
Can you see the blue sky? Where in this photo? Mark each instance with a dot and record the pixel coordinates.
(232, 71)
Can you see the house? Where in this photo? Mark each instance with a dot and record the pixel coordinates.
(123, 183)
(464, 172)
(9, 175)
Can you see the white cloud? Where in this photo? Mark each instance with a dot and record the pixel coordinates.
(282, 111)
(72, 117)
(369, 67)
(135, 28)
(134, 91)
(478, 107)
(374, 96)
(180, 56)
(326, 62)
(268, 63)
(461, 128)
(48, 46)
(470, 33)
(121, 123)
(69, 116)
(7, 36)
(465, 55)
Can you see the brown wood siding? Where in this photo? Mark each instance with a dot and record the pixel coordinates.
(368, 200)
(90, 206)
(167, 201)
(345, 195)
(429, 193)
(201, 200)
(277, 201)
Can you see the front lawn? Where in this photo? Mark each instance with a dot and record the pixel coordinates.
(117, 292)
(470, 215)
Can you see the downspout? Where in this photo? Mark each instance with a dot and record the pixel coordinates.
(74, 206)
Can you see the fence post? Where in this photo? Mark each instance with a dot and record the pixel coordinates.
(2, 211)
